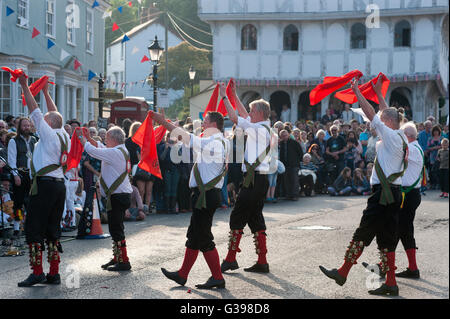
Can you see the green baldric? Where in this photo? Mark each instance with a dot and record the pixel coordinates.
(250, 176)
(109, 191)
(203, 188)
(50, 168)
(387, 197)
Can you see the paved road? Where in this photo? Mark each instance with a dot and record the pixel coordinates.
(294, 256)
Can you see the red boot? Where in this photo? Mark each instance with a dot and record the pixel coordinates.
(36, 265)
(261, 265)
(230, 262)
(352, 254)
(53, 257)
(120, 254)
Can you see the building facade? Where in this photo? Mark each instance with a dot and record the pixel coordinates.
(124, 70)
(280, 49)
(83, 40)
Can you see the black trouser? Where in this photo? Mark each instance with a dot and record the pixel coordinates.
(21, 193)
(406, 219)
(249, 206)
(43, 220)
(380, 221)
(119, 203)
(443, 174)
(306, 184)
(199, 235)
(291, 184)
(184, 194)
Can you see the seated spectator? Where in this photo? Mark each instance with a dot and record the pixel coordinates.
(342, 186)
(136, 210)
(351, 154)
(308, 175)
(369, 169)
(361, 185)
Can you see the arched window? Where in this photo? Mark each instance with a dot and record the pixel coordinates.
(248, 37)
(290, 38)
(402, 34)
(358, 36)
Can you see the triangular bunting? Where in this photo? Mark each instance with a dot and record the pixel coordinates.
(95, 4)
(145, 59)
(125, 38)
(115, 27)
(50, 44)
(120, 9)
(76, 64)
(91, 75)
(35, 33)
(64, 55)
(130, 4)
(9, 11)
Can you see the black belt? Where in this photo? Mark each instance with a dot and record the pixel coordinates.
(50, 179)
(258, 173)
(378, 186)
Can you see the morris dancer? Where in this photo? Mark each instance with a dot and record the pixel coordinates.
(206, 181)
(48, 191)
(250, 200)
(380, 218)
(115, 186)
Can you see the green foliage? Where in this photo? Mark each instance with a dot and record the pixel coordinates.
(126, 20)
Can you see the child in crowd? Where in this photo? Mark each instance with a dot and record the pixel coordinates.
(361, 185)
(343, 184)
(442, 157)
(351, 154)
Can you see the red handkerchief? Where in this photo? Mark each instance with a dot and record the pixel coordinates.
(366, 89)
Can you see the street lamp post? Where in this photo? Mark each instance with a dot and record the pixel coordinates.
(155, 52)
(192, 77)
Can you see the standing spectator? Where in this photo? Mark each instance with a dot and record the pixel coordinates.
(353, 135)
(327, 117)
(433, 145)
(342, 186)
(361, 185)
(290, 155)
(335, 150)
(347, 114)
(445, 132)
(273, 117)
(364, 138)
(318, 160)
(423, 138)
(303, 141)
(102, 134)
(443, 167)
(285, 114)
(371, 151)
(350, 154)
(321, 142)
(11, 123)
(126, 124)
(3, 136)
(170, 173)
(273, 182)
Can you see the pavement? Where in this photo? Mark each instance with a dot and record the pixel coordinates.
(301, 236)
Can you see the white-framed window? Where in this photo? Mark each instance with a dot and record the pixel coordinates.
(89, 30)
(50, 25)
(5, 94)
(71, 23)
(122, 50)
(109, 56)
(23, 13)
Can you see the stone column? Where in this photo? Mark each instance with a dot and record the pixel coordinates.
(61, 100)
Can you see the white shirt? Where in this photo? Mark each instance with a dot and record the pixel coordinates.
(210, 156)
(12, 153)
(258, 138)
(48, 150)
(113, 165)
(389, 151)
(415, 165)
(347, 116)
(285, 116)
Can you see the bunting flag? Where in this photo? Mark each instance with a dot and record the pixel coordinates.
(15, 74)
(222, 109)
(212, 104)
(64, 55)
(145, 138)
(95, 4)
(331, 84)
(76, 64)
(115, 27)
(347, 96)
(36, 87)
(35, 33)
(120, 9)
(9, 11)
(125, 38)
(50, 44)
(130, 4)
(145, 59)
(76, 148)
(91, 75)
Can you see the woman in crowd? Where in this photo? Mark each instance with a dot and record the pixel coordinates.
(361, 185)
(434, 145)
(318, 160)
(342, 186)
(308, 176)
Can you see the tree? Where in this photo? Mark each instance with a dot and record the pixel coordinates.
(126, 20)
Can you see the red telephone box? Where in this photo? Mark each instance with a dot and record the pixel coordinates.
(133, 108)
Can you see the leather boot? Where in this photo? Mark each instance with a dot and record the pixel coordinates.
(230, 262)
(123, 263)
(38, 275)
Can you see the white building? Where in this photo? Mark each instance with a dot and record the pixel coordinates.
(124, 70)
(280, 49)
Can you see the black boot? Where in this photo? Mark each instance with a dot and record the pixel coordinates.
(174, 276)
(411, 274)
(334, 274)
(112, 262)
(212, 283)
(32, 280)
(259, 268)
(226, 265)
(53, 280)
(374, 268)
(120, 267)
(385, 290)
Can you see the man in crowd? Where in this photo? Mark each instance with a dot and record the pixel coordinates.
(250, 200)
(291, 154)
(48, 191)
(336, 147)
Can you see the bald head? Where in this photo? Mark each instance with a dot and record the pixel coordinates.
(54, 120)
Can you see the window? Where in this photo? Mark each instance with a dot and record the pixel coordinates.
(248, 38)
(22, 13)
(109, 56)
(50, 19)
(89, 31)
(5, 94)
(70, 22)
(402, 37)
(358, 36)
(290, 38)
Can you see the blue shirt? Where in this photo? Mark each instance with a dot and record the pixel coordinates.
(364, 136)
(423, 139)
